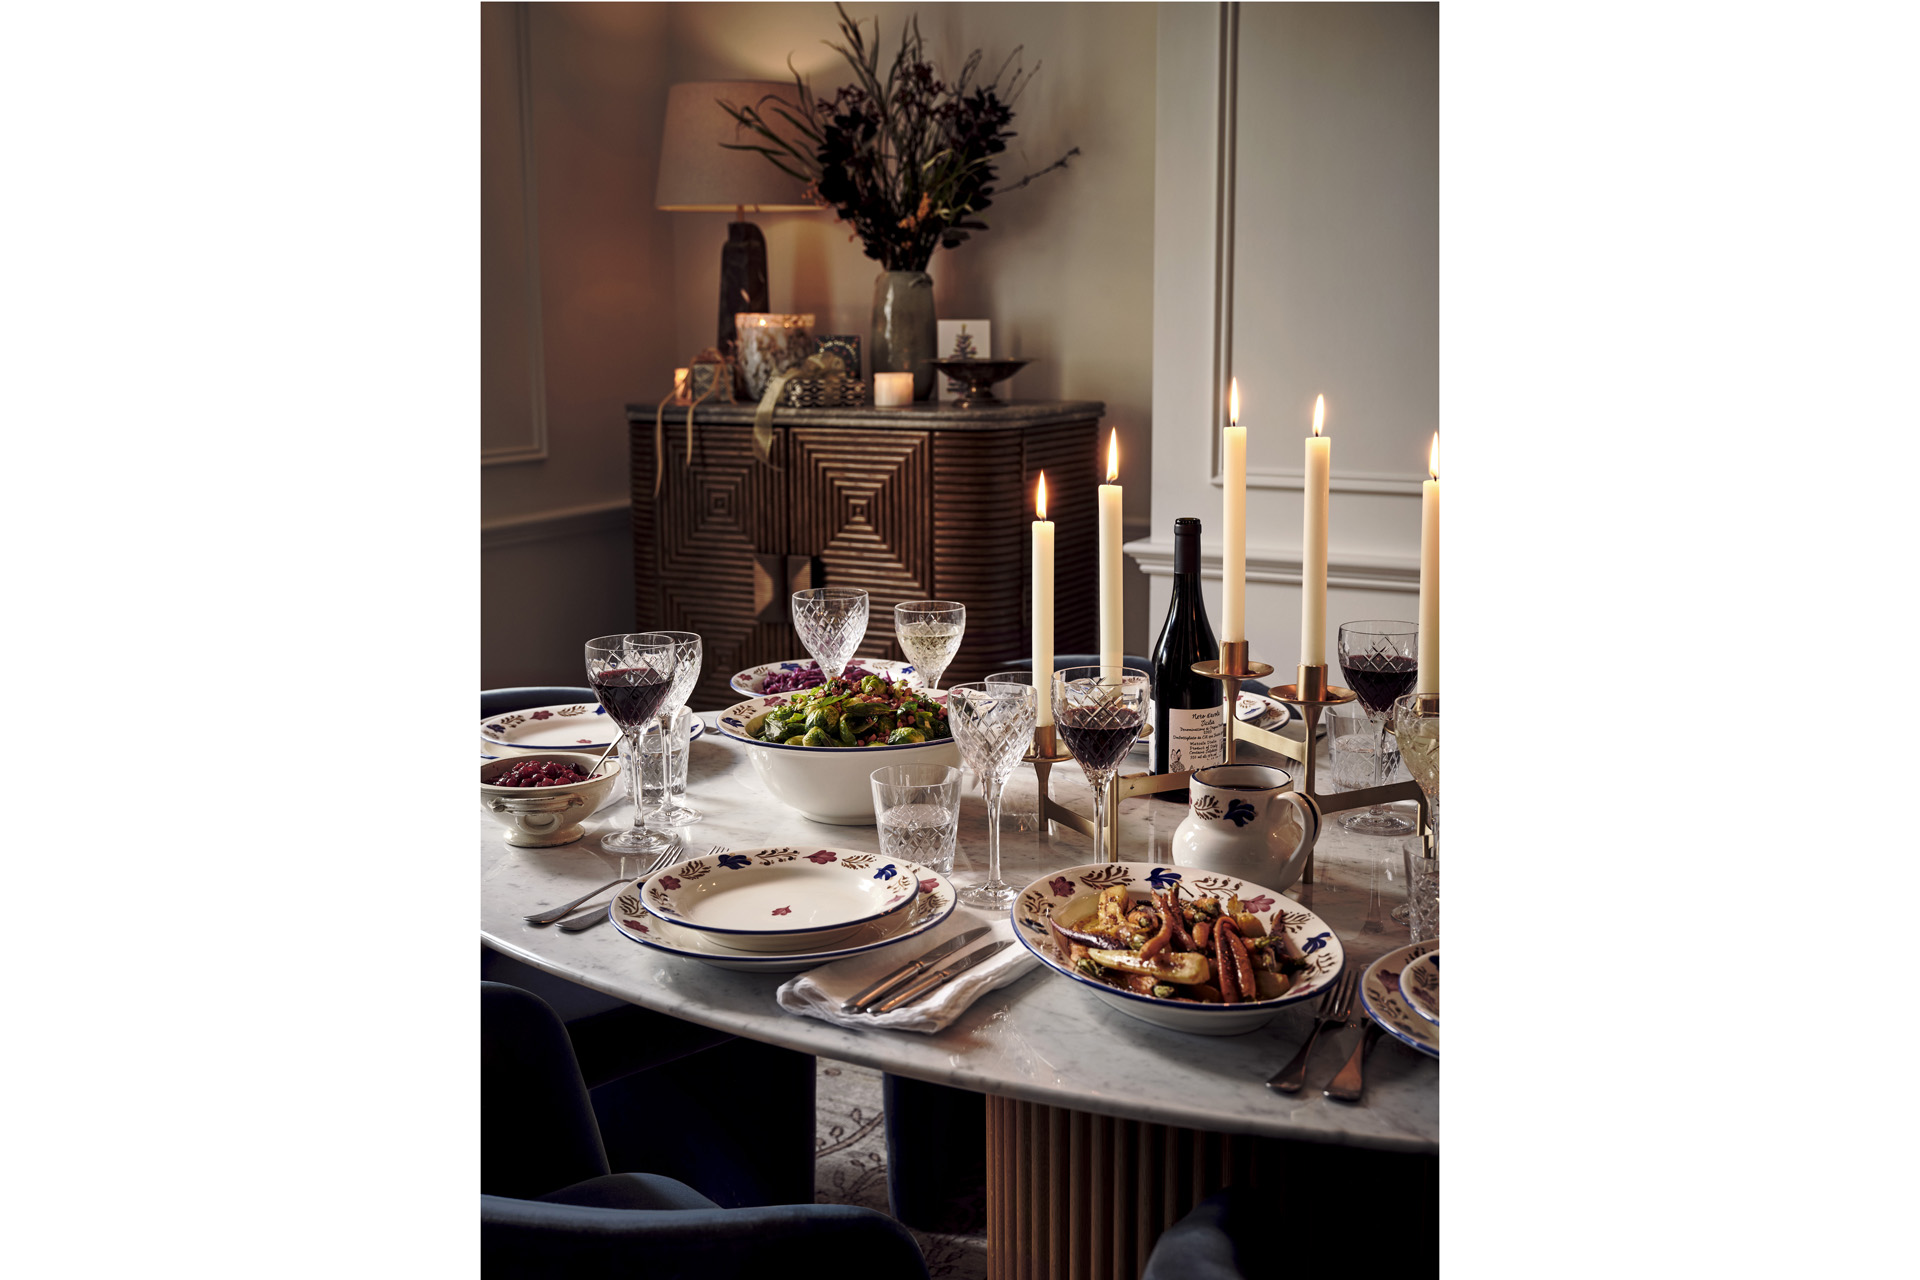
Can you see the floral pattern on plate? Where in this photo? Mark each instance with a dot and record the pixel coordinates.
(1071, 893)
(934, 903)
(1420, 985)
(1380, 996)
(757, 891)
(579, 727)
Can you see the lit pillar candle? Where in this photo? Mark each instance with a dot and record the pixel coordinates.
(1043, 606)
(1313, 543)
(1427, 679)
(1113, 647)
(891, 390)
(1233, 522)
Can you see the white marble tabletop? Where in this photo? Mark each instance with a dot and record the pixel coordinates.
(1043, 1039)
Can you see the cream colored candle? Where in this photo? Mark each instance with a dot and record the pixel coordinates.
(1313, 543)
(1043, 606)
(680, 392)
(1427, 679)
(1113, 649)
(891, 390)
(1233, 521)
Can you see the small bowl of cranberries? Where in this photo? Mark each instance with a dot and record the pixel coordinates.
(543, 799)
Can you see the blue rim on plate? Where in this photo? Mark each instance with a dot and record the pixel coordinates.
(940, 902)
(1316, 938)
(1380, 997)
(786, 856)
(588, 716)
(746, 683)
(1420, 985)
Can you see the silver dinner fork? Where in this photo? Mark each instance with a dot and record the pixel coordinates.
(597, 915)
(1333, 1008)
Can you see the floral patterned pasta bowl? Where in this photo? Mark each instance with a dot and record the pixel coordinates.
(1070, 896)
(781, 899)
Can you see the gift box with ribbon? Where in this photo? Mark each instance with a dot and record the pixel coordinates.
(819, 381)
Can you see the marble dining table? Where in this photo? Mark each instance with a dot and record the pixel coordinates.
(1043, 1041)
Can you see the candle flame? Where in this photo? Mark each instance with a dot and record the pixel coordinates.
(1040, 507)
(1319, 413)
(1233, 402)
(1433, 457)
(1113, 456)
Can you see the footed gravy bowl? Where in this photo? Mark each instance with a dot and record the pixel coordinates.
(536, 817)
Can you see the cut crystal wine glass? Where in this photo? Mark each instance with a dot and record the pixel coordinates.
(993, 725)
(1099, 712)
(831, 622)
(673, 809)
(1379, 661)
(929, 632)
(1416, 723)
(632, 674)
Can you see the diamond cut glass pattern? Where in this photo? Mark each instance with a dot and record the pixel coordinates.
(993, 726)
(831, 622)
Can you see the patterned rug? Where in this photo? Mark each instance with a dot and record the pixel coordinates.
(850, 1164)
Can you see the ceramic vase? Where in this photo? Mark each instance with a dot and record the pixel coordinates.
(1244, 820)
(904, 332)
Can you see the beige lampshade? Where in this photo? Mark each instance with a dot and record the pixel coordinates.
(698, 175)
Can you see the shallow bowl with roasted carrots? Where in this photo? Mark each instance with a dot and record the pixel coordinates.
(1180, 947)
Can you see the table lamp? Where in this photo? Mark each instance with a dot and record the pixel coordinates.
(699, 175)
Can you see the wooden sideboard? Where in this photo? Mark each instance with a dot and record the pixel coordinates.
(920, 503)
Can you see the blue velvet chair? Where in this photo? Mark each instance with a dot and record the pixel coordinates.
(497, 702)
(550, 1207)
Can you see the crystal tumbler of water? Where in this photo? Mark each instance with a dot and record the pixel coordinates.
(1355, 743)
(917, 807)
(1423, 894)
(664, 768)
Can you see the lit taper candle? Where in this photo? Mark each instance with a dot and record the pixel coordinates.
(1313, 543)
(1043, 606)
(1427, 679)
(1233, 521)
(1113, 647)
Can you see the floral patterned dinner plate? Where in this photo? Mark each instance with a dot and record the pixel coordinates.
(931, 905)
(581, 726)
(780, 899)
(1380, 996)
(1420, 985)
(1071, 894)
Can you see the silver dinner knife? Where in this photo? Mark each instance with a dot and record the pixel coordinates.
(934, 979)
(913, 967)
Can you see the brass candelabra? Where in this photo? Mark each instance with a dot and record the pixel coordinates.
(1311, 694)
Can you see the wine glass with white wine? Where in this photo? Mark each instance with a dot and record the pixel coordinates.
(929, 633)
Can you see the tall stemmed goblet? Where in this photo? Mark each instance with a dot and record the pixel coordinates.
(632, 675)
(993, 724)
(1416, 723)
(1379, 660)
(672, 809)
(831, 622)
(1100, 711)
(929, 633)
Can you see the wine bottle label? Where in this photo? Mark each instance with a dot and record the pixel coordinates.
(1195, 739)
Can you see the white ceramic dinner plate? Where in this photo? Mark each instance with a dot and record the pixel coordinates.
(782, 898)
(748, 682)
(931, 905)
(1420, 985)
(1072, 893)
(1380, 996)
(579, 726)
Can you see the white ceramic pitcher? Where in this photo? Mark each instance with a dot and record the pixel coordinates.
(1245, 820)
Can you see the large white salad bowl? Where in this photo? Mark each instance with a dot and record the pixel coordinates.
(828, 784)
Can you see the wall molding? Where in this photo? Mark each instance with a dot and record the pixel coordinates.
(1353, 570)
(568, 522)
(535, 449)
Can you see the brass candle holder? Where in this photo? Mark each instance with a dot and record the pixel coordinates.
(1310, 693)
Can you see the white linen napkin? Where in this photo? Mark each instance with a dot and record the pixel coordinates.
(819, 993)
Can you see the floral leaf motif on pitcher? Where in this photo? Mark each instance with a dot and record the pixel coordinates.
(1207, 807)
(1240, 813)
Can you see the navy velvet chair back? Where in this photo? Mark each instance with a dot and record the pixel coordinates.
(497, 702)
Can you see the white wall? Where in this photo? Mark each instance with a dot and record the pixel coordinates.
(1297, 248)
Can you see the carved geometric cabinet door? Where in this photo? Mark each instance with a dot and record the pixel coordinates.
(861, 508)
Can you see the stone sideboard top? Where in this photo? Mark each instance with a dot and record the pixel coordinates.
(915, 417)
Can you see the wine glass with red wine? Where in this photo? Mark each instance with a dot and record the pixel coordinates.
(1378, 660)
(1100, 711)
(632, 674)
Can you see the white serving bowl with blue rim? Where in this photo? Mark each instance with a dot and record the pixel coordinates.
(1070, 895)
(748, 683)
(828, 784)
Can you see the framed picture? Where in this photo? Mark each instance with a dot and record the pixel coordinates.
(964, 340)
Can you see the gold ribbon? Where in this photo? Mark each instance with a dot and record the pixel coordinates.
(709, 356)
(817, 365)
